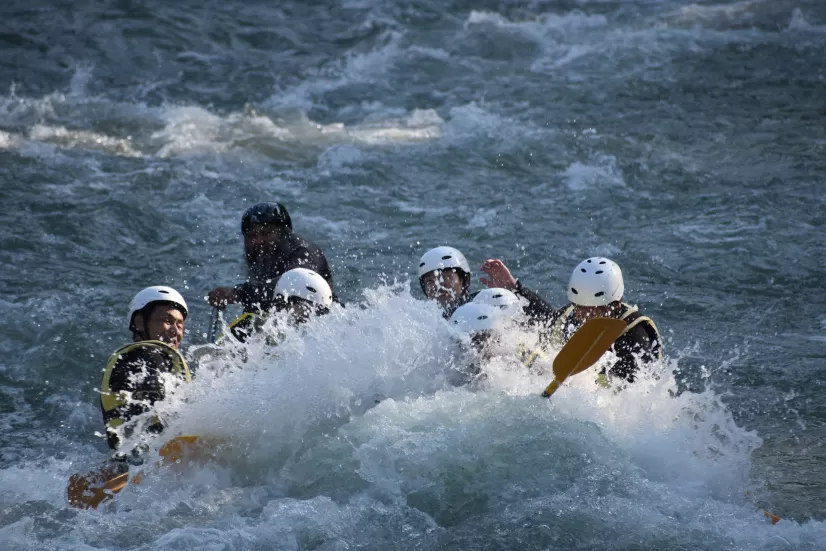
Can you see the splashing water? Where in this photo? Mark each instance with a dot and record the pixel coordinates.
(350, 433)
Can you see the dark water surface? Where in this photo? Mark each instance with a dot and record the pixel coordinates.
(684, 140)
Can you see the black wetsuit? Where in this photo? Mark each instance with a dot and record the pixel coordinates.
(293, 251)
(539, 312)
(136, 369)
(462, 300)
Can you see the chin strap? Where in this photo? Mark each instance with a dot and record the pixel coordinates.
(144, 334)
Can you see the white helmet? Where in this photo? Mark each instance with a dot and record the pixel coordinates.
(474, 317)
(441, 258)
(500, 298)
(158, 293)
(305, 284)
(597, 281)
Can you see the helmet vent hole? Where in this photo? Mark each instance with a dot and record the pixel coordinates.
(588, 261)
(499, 295)
(574, 291)
(164, 291)
(583, 270)
(599, 294)
(603, 262)
(482, 318)
(600, 272)
(422, 264)
(446, 257)
(311, 289)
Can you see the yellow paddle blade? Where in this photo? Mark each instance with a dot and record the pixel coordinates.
(176, 449)
(93, 488)
(583, 350)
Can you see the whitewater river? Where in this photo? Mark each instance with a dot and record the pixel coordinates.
(684, 140)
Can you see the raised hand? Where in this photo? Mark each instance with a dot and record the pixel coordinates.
(498, 274)
(221, 296)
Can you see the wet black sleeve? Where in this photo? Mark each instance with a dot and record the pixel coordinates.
(537, 310)
(243, 292)
(633, 349)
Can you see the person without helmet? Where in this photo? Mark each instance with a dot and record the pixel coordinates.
(444, 275)
(271, 249)
(137, 374)
(300, 292)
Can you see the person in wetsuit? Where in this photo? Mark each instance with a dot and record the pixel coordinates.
(481, 323)
(300, 292)
(444, 275)
(139, 374)
(271, 248)
(596, 289)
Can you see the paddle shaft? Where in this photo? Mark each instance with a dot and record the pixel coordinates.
(213, 325)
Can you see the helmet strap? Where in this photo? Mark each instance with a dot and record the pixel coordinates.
(145, 312)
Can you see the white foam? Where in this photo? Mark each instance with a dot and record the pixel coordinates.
(9, 140)
(83, 139)
(351, 433)
(539, 28)
(355, 67)
(798, 22)
(193, 130)
(605, 173)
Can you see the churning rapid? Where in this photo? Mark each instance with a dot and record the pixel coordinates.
(683, 140)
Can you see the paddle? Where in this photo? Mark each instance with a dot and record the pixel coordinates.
(89, 490)
(583, 350)
(214, 322)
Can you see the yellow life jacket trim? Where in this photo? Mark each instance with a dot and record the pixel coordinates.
(110, 400)
(638, 321)
(529, 359)
(236, 322)
(241, 318)
(558, 327)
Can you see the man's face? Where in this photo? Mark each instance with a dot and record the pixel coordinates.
(259, 242)
(444, 286)
(165, 323)
(584, 313)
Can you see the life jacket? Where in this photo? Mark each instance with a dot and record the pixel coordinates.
(110, 401)
(633, 317)
(630, 314)
(244, 325)
(528, 358)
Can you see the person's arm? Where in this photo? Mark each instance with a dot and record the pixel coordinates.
(220, 297)
(538, 310)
